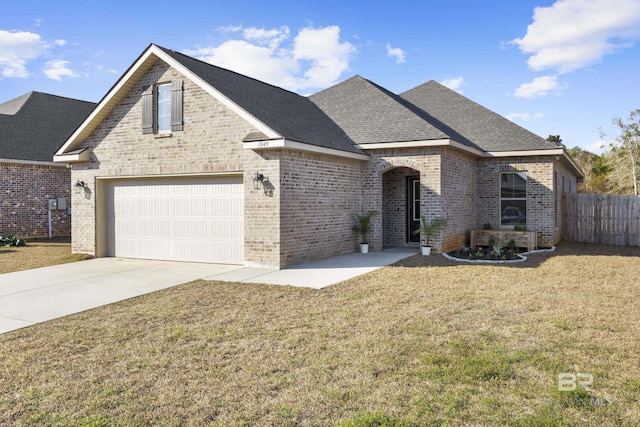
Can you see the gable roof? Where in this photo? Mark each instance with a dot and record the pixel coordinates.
(277, 113)
(485, 128)
(292, 116)
(34, 125)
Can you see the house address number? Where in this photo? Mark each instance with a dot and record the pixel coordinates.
(262, 144)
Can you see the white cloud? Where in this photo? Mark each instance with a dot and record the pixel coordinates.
(229, 29)
(525, 117)
(315, 58)
(271, 38)
(104, 69)
(57, 69)
(328, 57)
(454, 83)
(259, 62)
(397, 53)
(540, 86)
(598, 147)
(16, 49)
(572, 34)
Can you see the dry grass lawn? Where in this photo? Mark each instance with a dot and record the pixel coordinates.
(425, 342)
(37, 253)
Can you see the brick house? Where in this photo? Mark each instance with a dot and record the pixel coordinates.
(32, 128)
(183, 160)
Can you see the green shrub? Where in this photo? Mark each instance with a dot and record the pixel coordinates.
(363, 225)
(10, 239)
(430, 228)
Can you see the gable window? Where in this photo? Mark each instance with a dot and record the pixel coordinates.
(513, 198)
(162, 108)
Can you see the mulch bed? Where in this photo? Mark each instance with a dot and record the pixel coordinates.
(487, 253)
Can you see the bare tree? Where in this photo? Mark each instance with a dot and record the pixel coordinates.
(625, 153)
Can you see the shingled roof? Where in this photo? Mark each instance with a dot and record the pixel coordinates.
(33, 126)
(344, 117)
(293, 116)
(371, 114)
(475, 123)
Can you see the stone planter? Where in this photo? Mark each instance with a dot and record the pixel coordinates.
(364, 248)
(426, 250)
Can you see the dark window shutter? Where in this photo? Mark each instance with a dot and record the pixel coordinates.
(176, 105)
(147, 110)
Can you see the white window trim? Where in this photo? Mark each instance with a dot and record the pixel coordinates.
(156, 108)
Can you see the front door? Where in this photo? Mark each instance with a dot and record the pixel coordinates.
(413, 208)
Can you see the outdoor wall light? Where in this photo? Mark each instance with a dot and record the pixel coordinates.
(261, 181)
(81, 185)
(258, 180)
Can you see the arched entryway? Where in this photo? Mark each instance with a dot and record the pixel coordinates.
(400, 206)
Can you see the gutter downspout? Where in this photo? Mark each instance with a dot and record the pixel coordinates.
(49, 218)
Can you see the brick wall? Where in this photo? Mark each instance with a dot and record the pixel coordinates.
(313, 222)
(541, 206)
(426, 161)
(462, 188)
(458, 197)
(262, 241)
(210, 143)
(24, 191)
(319, 198)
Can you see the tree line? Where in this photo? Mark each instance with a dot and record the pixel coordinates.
(617, 170)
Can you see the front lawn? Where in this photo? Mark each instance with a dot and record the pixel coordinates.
(425, 342)
(37, 253)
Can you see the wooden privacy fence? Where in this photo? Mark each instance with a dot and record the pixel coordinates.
(601, 218)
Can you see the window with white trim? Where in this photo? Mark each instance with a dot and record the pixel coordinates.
(163, 108)
(513, 198)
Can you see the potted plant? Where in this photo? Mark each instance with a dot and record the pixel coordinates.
(428, 230)
(362, 227)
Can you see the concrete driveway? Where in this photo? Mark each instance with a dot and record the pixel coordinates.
(32, 296)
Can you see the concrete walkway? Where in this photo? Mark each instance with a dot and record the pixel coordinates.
(32, 296)
(318, 274)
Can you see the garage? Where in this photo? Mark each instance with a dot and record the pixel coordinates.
(196, 219)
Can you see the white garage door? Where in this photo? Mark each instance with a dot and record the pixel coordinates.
(181, 219)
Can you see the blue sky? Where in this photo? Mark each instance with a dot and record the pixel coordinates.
(562, 67)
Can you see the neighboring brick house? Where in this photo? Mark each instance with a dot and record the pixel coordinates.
(32, 128)
(183, 160)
